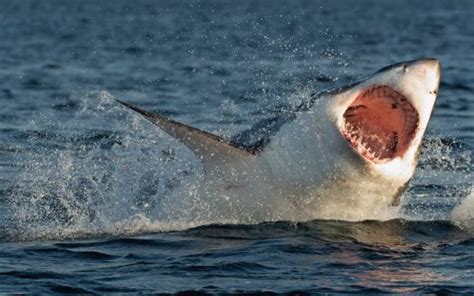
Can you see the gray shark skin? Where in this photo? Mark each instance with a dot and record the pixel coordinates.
(346, 154)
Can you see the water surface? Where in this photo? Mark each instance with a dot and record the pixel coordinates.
(80, 176)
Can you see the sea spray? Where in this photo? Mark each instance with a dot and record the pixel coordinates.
(94, 179)
(463, 214)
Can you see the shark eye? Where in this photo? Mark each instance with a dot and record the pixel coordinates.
(380, 124)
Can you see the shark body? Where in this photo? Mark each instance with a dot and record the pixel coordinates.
(346, 154)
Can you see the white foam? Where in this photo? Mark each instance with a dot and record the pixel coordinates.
(463, 214)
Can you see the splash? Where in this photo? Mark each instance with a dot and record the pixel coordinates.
(106, 171)
(463, 214)
(442, 179)
(94, 173)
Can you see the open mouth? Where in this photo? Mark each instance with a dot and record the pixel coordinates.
(380, 124)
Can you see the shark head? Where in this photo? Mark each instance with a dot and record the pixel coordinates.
(384, 117)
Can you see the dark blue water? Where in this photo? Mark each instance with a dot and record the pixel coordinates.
(80, 177)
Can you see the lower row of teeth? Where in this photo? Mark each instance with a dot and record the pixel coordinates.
(361, 146)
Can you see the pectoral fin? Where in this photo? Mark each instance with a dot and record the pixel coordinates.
(214, 151)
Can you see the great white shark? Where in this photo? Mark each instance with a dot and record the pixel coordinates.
(347, 153)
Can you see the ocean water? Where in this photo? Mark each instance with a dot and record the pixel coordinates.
(81, 177)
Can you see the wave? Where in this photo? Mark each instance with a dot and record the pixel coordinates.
(396, 232)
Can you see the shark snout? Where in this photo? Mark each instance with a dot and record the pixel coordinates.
(428, 71)
(420, 84)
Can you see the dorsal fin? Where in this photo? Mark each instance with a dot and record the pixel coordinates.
(212, 150)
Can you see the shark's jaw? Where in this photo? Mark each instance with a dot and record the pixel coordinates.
(380, 124)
